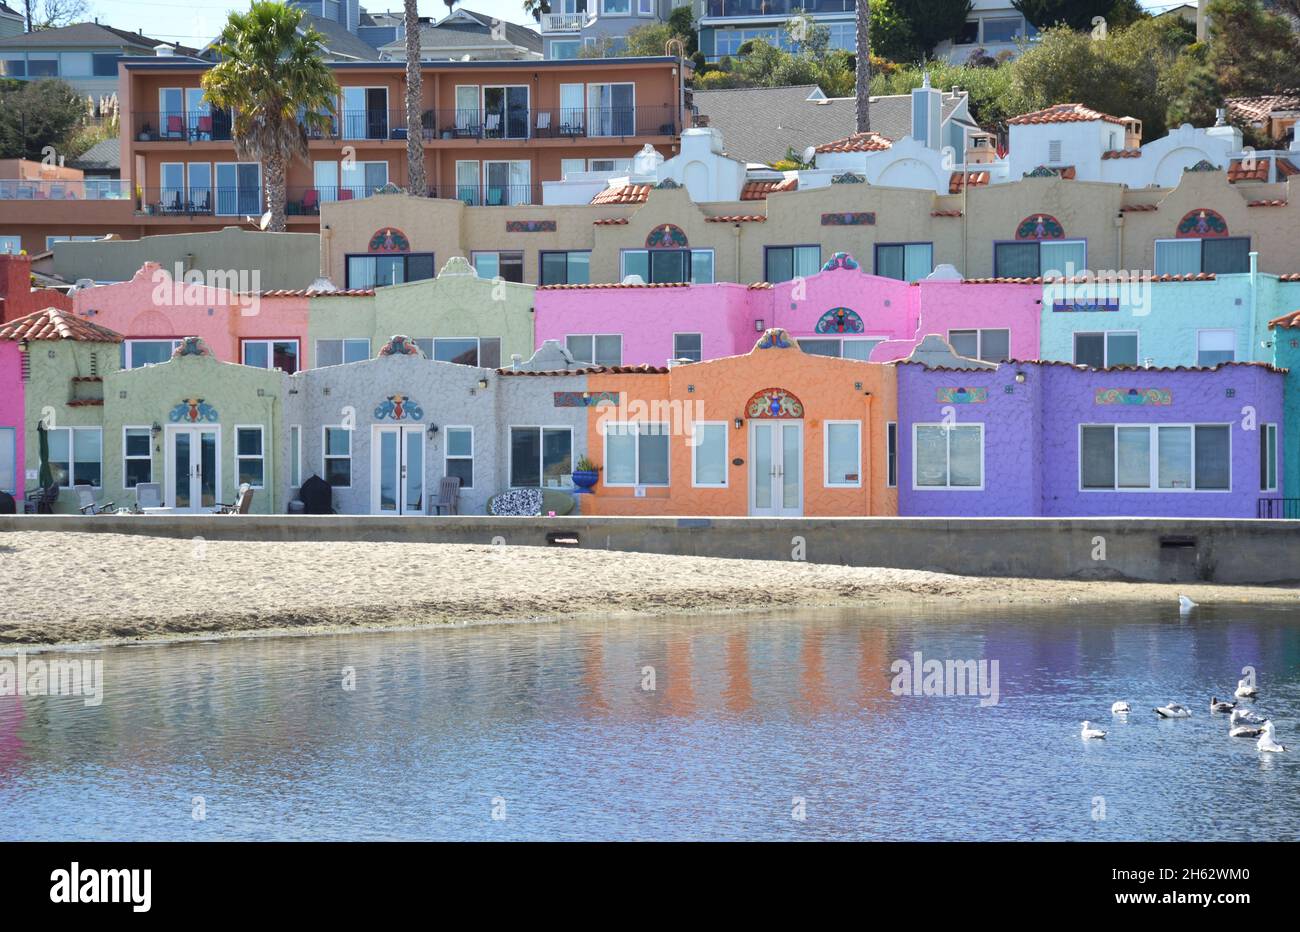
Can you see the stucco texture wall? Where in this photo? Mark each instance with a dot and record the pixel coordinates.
(13, 416)
(720, 390)
(1287, 355)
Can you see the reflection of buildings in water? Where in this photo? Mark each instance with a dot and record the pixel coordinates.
(739, 693)
(12, 749)
(593, 674)
(812, 672)
(873, 668)
(674, 680)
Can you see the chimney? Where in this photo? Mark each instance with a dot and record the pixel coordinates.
(927, 110)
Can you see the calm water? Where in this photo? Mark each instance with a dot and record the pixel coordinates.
(550, 726)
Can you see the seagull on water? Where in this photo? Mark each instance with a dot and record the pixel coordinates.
(1245, 690)
(1089, 732)
(1185, 605)
(1219, 705)
(1266, 741)
(1174, 710)
(1120, 708)
(1245, 731)
(1248, 716)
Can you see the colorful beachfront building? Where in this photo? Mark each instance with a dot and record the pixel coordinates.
(13, 418)
(1057, 440)
(775, 432)
(1284, 335)
(838, 311)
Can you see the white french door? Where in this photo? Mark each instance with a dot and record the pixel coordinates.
(775, 467)
(397, 471)
(193, 468)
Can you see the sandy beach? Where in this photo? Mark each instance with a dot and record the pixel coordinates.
(107, 588)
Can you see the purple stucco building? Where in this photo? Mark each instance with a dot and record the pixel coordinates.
(1056, 440)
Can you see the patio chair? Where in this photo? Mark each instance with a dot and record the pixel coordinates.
(448, 497)
(205, 128)
(345, 194)
(310, 201)
(496, 197)
(86, 502)
(243, 502)
(148, 495)
(175, 127)
(492, 125)
(41, 501)
(544, 123)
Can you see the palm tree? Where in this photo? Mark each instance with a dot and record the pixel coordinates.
(535, 8)
(862, 66)
(415, 180)
(275, 82)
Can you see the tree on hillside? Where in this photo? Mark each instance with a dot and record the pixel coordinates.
(415, 179)
(1077, 14)
(862, 66)
(36, 114)
(267, 75)
(929, 21)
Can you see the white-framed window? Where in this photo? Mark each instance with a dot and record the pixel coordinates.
(1155, 457)
(1032, 258)
(1215, 346)
(77, 456)
(842, 454)
(458, 455)
(645, 7)
(611, 108)
(336, 456)
(365, 112)
(891, 454)
(250, 455)
(566, 267)
(337, 352)
(948, 456)
(271, 354)
(506, 183)
(636, 453)
(1268, 458)
(1191, 255)
(9, 460)
(1106, 348)
(846, 348)
(541, 457)
(688, 346)
(562, 49)
(615, 7)
(295, 456)
(666, 266)
(709, 454)
(609, 165)
(908, 262)
(509, 265)
(598, 349)
(988, 345)
(360, 179)
(137, 353)
(465, 351)
(239, 188)
(782, 263)
(137, 456)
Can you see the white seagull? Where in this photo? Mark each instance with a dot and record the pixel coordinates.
(1174, 710)
(1266, 742)
(1120, 708)
(1248, 716)
(1219, 705)
(1185, 605)
(1089, 732)
(1245, 731)
(1245, 690)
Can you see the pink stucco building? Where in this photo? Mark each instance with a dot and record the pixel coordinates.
(153, 310)
(840, 311)
(12, 401)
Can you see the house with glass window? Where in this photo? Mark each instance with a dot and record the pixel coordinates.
(600, 26)
(460, 316)
(726, 25)
(1175, 320)
(835, 309)
(774, 432)
(1284, 335)
(54, 365)
(994, 26)
(83, 54)
(1057, 440)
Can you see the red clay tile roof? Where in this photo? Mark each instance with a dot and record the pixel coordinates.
(759, 190)
(1082, 280)
(1291, 319)
(1072, 365)
(1122, 154)
(591, 370)
(1289, 277)
(945, 213)
(1238, 172)
(312, 293)
(1275, 202)
(737, 218)
(1133, 208)
(609, 221)
(624, 194)
(1062, 113)
(1259, 108)
(614, 285)
(858, 142)
(1286, 168)
(55, 324)
(976, 179)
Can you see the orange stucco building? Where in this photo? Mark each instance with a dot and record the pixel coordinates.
(773, 432)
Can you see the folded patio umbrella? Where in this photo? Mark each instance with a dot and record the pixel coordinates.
(46, 475)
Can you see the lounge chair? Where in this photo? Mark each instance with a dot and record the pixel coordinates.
(243, 502)
(448, 497)
(41, 501)
(86, 502)
(148, 495)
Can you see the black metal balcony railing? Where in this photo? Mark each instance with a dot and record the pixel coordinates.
(88, 189)
(205, 201)
(305, 200)
(521, 123)
(775, 7)
(491, 195)
(1285, 508)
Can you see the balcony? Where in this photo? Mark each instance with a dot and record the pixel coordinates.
(89, 189)
(181, 126)
(754, 8)
(492, 195)
(205, 201)
(305, 201)
(564, 22)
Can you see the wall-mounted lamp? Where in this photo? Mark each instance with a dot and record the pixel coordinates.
(156, 429)
(758, 325)
(739, 423)
(1020, 377)
(482, 383)
(22, 345)
(433, 429)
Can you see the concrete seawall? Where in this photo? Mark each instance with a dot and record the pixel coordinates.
(1137, 549)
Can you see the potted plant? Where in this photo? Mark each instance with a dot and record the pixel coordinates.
(585, 476)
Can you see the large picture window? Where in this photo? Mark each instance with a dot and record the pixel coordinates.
(948, 456)
(636, 454)
(76, 456)
(1155, 457)
(1190, 256)
(541, 457)
(373, 271)
(909, 262)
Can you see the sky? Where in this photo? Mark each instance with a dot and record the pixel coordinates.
(194, 22)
